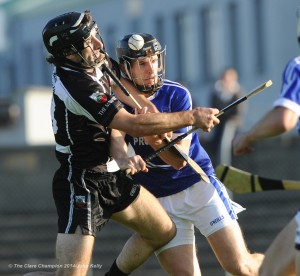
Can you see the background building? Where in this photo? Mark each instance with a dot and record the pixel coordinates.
(257, 37)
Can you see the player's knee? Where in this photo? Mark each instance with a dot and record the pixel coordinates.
(166, 234)
(171, 233)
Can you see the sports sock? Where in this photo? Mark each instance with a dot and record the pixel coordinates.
(115, 271)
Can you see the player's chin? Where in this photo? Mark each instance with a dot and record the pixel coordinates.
(150, 82)
(100, 58)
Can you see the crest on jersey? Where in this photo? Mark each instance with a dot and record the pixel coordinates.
(99, 97)
(80, 201)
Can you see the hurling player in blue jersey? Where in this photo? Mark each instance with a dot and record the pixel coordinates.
(280, 256)
(188, 200)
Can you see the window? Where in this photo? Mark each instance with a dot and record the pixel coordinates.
(46, 67)
(187, 50)
(110, 40)
(28, 70)
(260, 62)
(137, 25)
(159, 30)
(233, 35)
(212, 43)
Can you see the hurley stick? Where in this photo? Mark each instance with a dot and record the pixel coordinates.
(179, 138)
(239, 181)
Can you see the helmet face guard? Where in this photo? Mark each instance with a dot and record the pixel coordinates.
(65, 35)
(132, 49)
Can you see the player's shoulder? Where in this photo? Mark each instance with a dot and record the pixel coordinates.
(173, 83)
(292, 69)
(78, 78)
(175, 86)
(294, 63)
(296, 59)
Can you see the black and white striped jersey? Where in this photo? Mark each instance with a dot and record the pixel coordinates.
(82, 107)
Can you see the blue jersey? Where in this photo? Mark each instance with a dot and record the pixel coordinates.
(162, 179)
(290, 91)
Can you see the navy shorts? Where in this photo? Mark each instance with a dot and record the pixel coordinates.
(89, 199)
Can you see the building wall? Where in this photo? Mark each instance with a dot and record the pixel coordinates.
(202, 37)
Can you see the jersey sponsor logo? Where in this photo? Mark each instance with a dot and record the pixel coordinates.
(215, 221)
(80, 201)
(139, 141)
(133, 189)
(99, 97)
(105, 107)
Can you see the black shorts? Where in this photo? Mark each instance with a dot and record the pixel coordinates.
(89, 199)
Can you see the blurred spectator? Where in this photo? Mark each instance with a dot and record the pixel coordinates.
(226, 90)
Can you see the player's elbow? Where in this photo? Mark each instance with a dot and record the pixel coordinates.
(286, 125)
(285, 119)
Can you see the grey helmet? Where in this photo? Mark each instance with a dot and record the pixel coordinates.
(140, 45)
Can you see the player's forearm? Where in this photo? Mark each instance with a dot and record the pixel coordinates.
(158, 123)
(272, 124)
(263, 131)
(118, 147)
